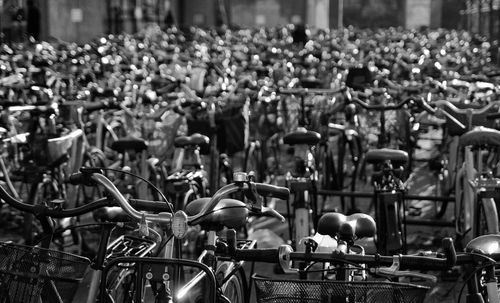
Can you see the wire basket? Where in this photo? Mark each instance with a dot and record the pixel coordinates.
(309, 291)
(33, 274)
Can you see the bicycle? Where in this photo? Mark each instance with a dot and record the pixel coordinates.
(390, 180)
(476, 210)
(45, 159)
(353, 287)
(59, 284)
(448, 168)
(302, 181)
(212, 214)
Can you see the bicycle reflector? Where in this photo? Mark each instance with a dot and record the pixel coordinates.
(179, 224)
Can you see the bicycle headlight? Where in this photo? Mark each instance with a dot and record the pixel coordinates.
(179, 224)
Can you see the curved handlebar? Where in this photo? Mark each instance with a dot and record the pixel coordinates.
(473, 111)
(95, 177)
(42, 210)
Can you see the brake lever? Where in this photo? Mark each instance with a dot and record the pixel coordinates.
(393, 271)
(269, 212)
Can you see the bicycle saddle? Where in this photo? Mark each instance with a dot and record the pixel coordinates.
(488, 245)
(228, 213)
(195, 139)
(480, 136)
(124, 144)
(376, 156)
(355, 226)
(302, 136)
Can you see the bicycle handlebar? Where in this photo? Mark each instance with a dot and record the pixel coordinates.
(155, 206)
(473, 111)
(89, 176)
(286, 254)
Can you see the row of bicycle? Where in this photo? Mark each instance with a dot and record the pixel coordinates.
(41, 165)
(148, 263)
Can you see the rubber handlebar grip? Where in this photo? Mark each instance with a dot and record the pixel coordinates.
(423, 263)
(268, 255)
(268, 190)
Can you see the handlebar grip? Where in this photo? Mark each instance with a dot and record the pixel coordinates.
(268, 190)
(84, 177)
(153, 206)
(423, 263)
(80, 179)
(268, 255)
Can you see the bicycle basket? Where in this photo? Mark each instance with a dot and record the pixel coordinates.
(33, 274)
(309, 291)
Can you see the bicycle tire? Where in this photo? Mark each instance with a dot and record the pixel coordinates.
(486, 221)
(351, 163)
(253, 161)
(441, 191)
(121, 285)
(32, 227)
(390, 238)
(234, 289)
(326, 166)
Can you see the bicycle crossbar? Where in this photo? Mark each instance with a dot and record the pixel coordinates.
(358, 194)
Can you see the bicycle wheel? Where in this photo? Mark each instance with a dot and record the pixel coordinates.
(234, 288)
(32, 228)
(121, 285)
(486, 221)
(253, 160)
(349, 175)
(326, 167)
(441, 191)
